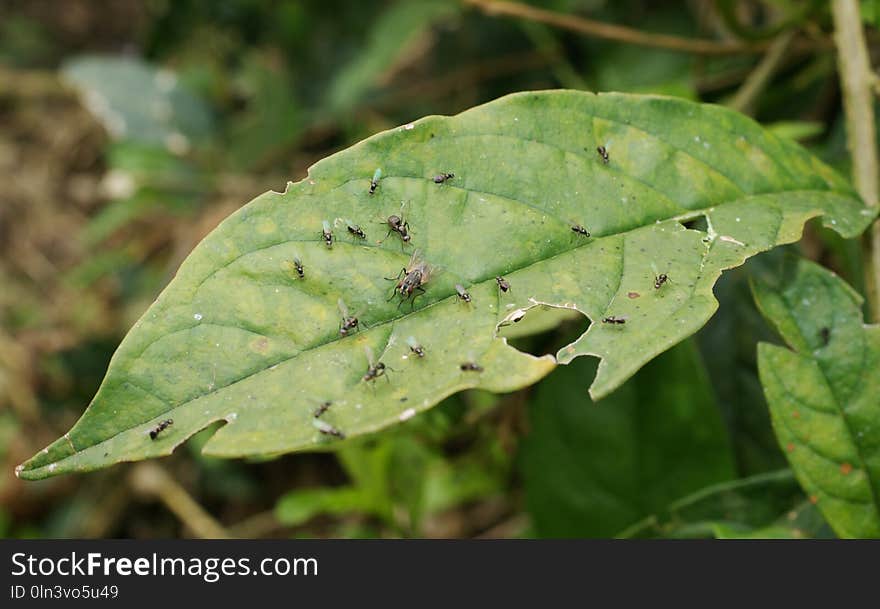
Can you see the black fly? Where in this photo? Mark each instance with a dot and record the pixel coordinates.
(412, 278)
(415, 347)
(374, 369)
(503, 284)
(374, 183)
(327, 429)
(349, 322)
(580, 230)
(439, 179)
(397, 225)
(603, 153)
(327, 234)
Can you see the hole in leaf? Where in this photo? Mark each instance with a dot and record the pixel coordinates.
(543, 329)
(699, 223)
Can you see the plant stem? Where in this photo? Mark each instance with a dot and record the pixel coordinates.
(857, 80)
(150, 479)
(611, 31)
(751, 89)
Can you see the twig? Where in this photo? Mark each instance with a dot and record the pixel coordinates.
(751, 89)
(150, 479)
(257, 526)
(856, 81)
(610, 31)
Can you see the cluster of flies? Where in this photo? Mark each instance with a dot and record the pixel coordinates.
(409, 285)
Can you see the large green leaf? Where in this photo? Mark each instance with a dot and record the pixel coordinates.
(824, 392)
(238, 336)
(592, 469)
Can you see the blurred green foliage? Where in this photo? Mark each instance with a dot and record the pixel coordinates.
(95, 219)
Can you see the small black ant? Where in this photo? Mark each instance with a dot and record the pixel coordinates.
(439, 179)
(327, 234)
(659, 280)
(613, 319)
(355, 230)
(603, 153)
(397, 225)
(415, 347)
(154, 433)
(374, 183)
(471, 367)
(580, 230)
(298, 265)
(322, 408)
(327, 429)
(462, 293)
(503, 284)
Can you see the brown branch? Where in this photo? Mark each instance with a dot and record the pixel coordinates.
(611, 31)
(152, 480)
(857, 79)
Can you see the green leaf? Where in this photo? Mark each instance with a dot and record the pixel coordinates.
(237, 336)
(727, 345)
(137, 101)
(823, 392)
(397, 35)
(767, 505)
(593, 468)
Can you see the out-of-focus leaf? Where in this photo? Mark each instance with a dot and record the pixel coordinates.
(272, 118)
(592, 469)
(761, 506)
(871, 12)
(796, 130)
(804, 521)
(727, 345)
(394, 35)
(298, 507)
(824, 392)
(138, 101)
(239, 336)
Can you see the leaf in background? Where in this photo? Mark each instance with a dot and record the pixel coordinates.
(765, 505)
(238, 336)
(824, 392)
(395, 36)
(727, 345)
(272, 118)
(795, 130)
(803, 521)
(592, 469)
(137, 101)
